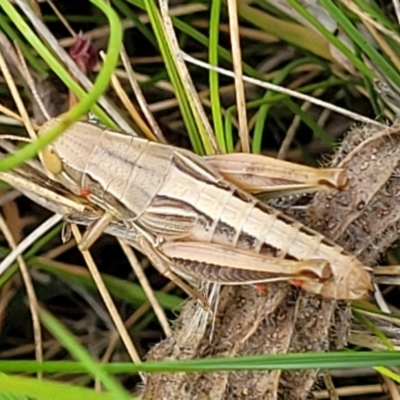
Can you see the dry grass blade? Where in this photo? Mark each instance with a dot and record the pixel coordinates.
(188, 85)
(370, 21)
(31, 84)
(155, 129)
(237, 67)
(135, 317)
(32, 299)
(108, 300)
(24, 184)
(396, 5)
(61, 18)
(12, 116)
(333, 395)
(350, 391)
(17, 98)
(138, 270)
(130, 107)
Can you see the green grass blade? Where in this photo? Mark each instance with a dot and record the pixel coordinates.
(174, 76)
(213, 75)
(290, 361)
(46, 390)
(82, 355)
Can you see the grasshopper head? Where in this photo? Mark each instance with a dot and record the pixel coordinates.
(51, 161)
(66, 157)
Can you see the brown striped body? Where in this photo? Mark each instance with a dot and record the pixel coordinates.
(173, 194)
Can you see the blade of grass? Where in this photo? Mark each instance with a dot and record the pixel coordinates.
(213, 75)
(290, 361)
(45, 390)
(187, 115)
(203, 125)
(78, 351)
(388, 373)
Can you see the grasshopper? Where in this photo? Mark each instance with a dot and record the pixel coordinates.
(195, 220)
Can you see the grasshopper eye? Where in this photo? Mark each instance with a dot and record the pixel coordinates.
(51, 161)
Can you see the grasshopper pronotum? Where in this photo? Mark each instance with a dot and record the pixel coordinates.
(195, 220)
